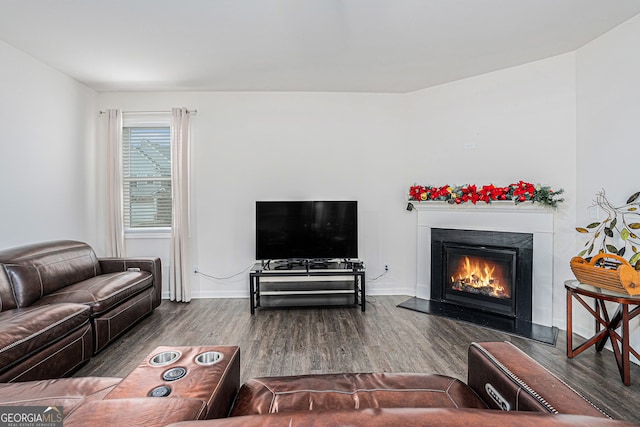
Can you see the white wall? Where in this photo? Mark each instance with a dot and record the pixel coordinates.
(521, 121)
(47, 122)
(608, 126)
(260, 146)
(608, 105)
(368, 147)
(570, 121)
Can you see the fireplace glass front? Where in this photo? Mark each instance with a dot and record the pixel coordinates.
(483, 271)
(480, 277)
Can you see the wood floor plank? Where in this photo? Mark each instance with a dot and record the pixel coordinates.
(385, 338)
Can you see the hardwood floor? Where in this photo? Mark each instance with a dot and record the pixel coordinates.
(385, 338)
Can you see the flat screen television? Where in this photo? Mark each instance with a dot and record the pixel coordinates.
(306, 230)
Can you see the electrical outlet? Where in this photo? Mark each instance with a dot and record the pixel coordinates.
(386, 268)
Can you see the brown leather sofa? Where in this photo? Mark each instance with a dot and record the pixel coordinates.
(84, 403)
(504, 387)
(407, 417)
(60, 304)
(205, 389)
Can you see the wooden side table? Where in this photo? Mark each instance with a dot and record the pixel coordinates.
(606, 326)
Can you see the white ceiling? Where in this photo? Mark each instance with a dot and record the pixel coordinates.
(297, 45)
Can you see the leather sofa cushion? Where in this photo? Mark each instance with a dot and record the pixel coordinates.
(407, 417)
(66, 392)
(103, 292)
(56, 360)
(39, 269)
(143, 411)
(7, 301)
(352, 391)
(24, 331)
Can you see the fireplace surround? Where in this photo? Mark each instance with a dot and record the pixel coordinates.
(490, 271)
(533, 220)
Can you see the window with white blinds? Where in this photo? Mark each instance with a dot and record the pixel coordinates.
(146, 154)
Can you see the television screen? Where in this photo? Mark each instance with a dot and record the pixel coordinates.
(306, 230)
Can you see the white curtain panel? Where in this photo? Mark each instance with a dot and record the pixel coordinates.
(115, 225)
(179, 283)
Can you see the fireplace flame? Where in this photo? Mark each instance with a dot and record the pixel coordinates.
(478, 276)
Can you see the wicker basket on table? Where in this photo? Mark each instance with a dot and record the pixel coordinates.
(617, 275)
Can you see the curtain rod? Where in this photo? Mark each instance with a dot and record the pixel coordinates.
(101, 112)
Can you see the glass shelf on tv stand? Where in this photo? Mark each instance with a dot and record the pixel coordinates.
(300, 283)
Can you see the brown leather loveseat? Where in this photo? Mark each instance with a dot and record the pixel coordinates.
(504, 387)
(60, 304)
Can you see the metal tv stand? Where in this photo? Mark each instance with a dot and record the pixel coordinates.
(288, 281)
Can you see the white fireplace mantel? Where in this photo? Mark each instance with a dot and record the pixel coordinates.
(497, 216)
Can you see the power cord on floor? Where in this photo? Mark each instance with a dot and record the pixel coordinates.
(371, 300)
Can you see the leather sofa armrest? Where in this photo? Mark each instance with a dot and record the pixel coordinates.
(143, 411)
(506, 378)
(150, 264)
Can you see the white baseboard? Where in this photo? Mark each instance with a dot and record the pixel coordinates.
(213, 294)
(245, 294)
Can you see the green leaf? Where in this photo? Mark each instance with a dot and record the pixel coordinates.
(581, 230)
(591, 248)
(612, 249)
(635, 258)
(593, 225)
(613, 223)
(634, 225)
(624, 234)
(622, 251)
(633, 197)
(582, 252)
(608, 232)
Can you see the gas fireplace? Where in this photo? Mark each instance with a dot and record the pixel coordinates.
(490, 265)
(487, 271)
(480, 277)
